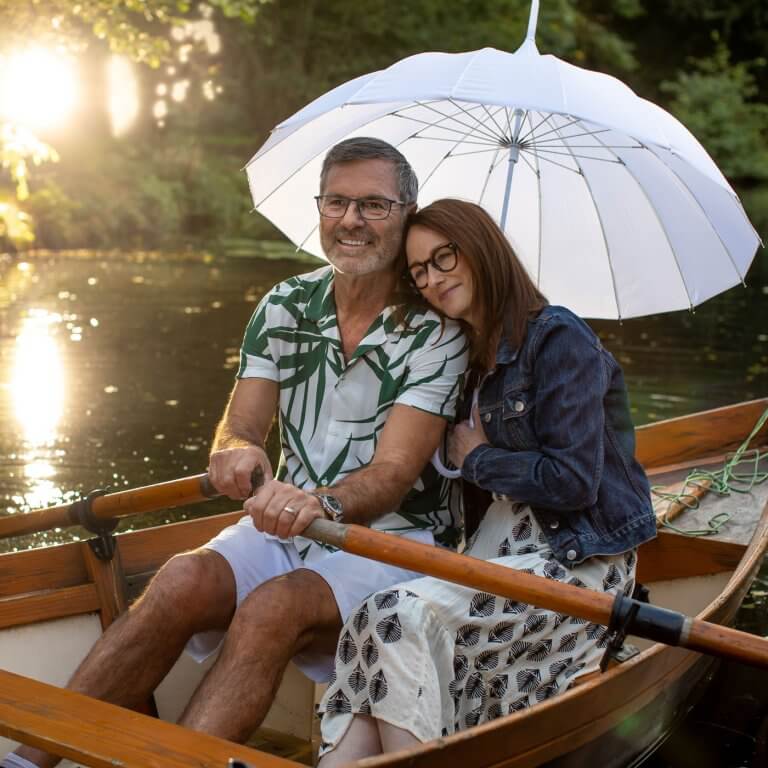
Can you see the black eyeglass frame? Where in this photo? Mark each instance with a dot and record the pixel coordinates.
(432, 262)
(357, 201)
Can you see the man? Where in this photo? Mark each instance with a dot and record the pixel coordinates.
(363, 398)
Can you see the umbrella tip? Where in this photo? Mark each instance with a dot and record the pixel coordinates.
(533, 19)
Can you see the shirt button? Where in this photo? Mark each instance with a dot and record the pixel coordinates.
(554, 525)
(323, 481)
(486, 417)
(571, 554)
(519, 405)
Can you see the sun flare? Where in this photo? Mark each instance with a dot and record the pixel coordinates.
(38, 88)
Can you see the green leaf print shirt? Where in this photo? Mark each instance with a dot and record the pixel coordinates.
(332, 411)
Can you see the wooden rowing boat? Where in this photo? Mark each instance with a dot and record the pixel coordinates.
(55, 601)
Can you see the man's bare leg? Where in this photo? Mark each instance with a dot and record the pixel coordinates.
(191, 593)
(279, 619)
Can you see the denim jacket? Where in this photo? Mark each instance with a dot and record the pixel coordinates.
(556, 415)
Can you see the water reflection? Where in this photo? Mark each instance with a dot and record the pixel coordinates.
(38, 388)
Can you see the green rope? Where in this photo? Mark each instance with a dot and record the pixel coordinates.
(732, 478)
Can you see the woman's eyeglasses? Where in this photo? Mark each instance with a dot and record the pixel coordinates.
(443, 259)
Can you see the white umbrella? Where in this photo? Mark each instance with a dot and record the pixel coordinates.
(613, 206)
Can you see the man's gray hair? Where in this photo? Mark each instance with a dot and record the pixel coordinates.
(368, 148)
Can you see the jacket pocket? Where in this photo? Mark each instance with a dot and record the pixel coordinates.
(517, 410)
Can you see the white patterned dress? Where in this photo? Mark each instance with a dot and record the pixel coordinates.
(434, 658)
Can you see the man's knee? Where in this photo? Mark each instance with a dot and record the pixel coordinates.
(298, 604)
(197, 585)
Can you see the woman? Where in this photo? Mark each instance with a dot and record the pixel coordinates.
(551, 438)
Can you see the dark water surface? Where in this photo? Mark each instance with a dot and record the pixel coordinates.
(114, 370)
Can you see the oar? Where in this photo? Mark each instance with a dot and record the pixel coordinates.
(618, 613)
(110, 506)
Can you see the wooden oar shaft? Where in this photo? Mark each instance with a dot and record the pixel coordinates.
(174, 493)
(652, 622)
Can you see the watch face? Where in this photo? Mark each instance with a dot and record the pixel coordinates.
(332, 505)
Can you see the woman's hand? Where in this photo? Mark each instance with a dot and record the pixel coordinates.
(464, 438)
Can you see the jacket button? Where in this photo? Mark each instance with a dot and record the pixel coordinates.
(487, 417)
(571, 554)
(554, 525)
(519, 405)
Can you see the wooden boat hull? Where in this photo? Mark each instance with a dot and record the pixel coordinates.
(610, 720)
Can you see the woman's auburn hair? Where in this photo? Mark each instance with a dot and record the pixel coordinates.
(504, 294)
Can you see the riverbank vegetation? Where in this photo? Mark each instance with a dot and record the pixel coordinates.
(209, 81)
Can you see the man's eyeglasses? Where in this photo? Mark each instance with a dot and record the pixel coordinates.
(443, 259)
(371, 208)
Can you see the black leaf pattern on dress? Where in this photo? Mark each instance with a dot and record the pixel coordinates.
(522, 530)
(454, 690)
(603, 641)
(497, 686)
(494, 711)
(408, 593)
(338, 702)
(468, 635)
(370, 652)
(460, 666)
(333, 677)
(540, 650)
(503, 632)
(520, 704)
(629, 559)
(567, 642)
(473, 718)
(547, 691)
(365, 708)
(553, 570)
(528, 549)
(505, 548)
(512, 606)
(360, 622)
(482, 604)
(574, 669)
(444, 732)
(577, 620)
(535, 623)
(378, 687)
(612, 578)
(559, 619)
(347, 648)
(475, 688)
(357, 679)
(389, 629)
(387, 599)
(558, 666)
(517, 649)
(541, 538)
(487, 660)
(532, 571)
(528, 680)
(629, 588)
(595, 631)
(577, 582)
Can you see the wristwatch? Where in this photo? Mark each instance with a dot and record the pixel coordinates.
(331, 506)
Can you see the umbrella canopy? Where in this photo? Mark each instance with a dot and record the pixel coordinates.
(613, 206)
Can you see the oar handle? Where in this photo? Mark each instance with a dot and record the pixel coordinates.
(150, 498)
(649, 621)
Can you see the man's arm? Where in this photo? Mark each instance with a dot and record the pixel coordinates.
(238, 445)
(408, 440)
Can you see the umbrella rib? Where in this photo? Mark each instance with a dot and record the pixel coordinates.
(553, 130)
(535, 139)
(438, 127)
(437, 138)
(573, 154)
(491, 168)
(554, 162)
(536, 127)
(663, 229)
(472, 152)
(482, 125)
(493, 117)
(488, 136)
(602, 232)
(701, 208)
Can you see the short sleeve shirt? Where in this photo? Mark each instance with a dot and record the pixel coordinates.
(332, 411)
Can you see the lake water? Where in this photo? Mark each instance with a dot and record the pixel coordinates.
(114, 369)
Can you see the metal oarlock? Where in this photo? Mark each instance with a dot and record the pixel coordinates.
(81, 513)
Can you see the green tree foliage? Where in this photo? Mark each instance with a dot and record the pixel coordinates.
(716, 100)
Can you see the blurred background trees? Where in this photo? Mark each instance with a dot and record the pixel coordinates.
(200, 85)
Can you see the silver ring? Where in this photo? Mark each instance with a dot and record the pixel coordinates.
(289, 510)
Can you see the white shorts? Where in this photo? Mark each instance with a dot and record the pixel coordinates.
(255, 558)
